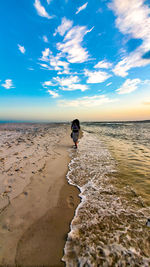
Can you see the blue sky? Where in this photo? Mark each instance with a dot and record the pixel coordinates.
(68, 58)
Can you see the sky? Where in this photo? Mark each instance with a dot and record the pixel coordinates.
(66, 59)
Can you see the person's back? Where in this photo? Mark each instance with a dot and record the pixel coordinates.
(75, 127)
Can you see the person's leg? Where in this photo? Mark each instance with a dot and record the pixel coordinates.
(76, 144)
(75, 139)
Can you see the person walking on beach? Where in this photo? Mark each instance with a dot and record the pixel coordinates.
(75, 127)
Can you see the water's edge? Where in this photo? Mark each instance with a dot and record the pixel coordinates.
(109, 226)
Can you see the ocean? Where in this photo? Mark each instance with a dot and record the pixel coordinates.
(111, 167)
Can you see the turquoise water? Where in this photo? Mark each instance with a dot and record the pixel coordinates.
(111, 169)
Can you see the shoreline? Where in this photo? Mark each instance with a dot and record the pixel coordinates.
(34, 228)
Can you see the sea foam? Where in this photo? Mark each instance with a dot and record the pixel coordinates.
(109, 226)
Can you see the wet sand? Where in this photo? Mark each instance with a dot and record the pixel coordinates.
(37, 204)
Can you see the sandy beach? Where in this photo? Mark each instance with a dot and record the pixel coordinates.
(36, 202)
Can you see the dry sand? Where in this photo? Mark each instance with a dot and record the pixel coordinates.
(36, 202)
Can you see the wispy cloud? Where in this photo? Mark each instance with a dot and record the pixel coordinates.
(66, 84)
(66, 24)
(54, 61)
(67, 81)
(21, 48)
(49, 1)
(45, 39)
(45, 66)
(146, 82)
(47, 83)
(108, 84)
(70, 84)
(45, 55)
(63, 72)
(133, 60)
(96, 76)
(53, 94)
(129, 86)
(87, 101)
(71, 47)
(90, 30)
(81, 8)
(41, 10)
(58, 64)
(77, 86)
(104, 64)
(8, 84)
(133, 18)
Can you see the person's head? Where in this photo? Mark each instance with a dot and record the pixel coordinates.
(76, 121)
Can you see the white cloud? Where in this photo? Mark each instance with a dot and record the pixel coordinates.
(146, 82)
(90, 30)
(70, 48)
(104, 64)
(128, 86)
(66, 24)
(66, 84)
(53, 61)
(87, 101)
(77, 86)
(21, 48)
(70, 84)
(133, 18)
(71, 45)
(133, 60)
(82, 7)
(58, 64)
(8, 84)
(45, 39)
(66, 81)
(53, 94)
(108, 84)
(48, 2)
(63, 72)
(96, 76)
(47, 83)
(41, 10)
(45, 66)
(30, 68)
(46, 54)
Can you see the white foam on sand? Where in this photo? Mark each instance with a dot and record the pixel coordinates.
(108, 228)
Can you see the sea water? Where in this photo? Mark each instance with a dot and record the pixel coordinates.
(111, 167)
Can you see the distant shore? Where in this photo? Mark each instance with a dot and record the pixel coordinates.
(66, 122)
(37, 204)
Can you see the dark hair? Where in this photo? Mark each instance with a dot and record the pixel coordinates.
(76, 121)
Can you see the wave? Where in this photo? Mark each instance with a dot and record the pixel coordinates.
(109, 226)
